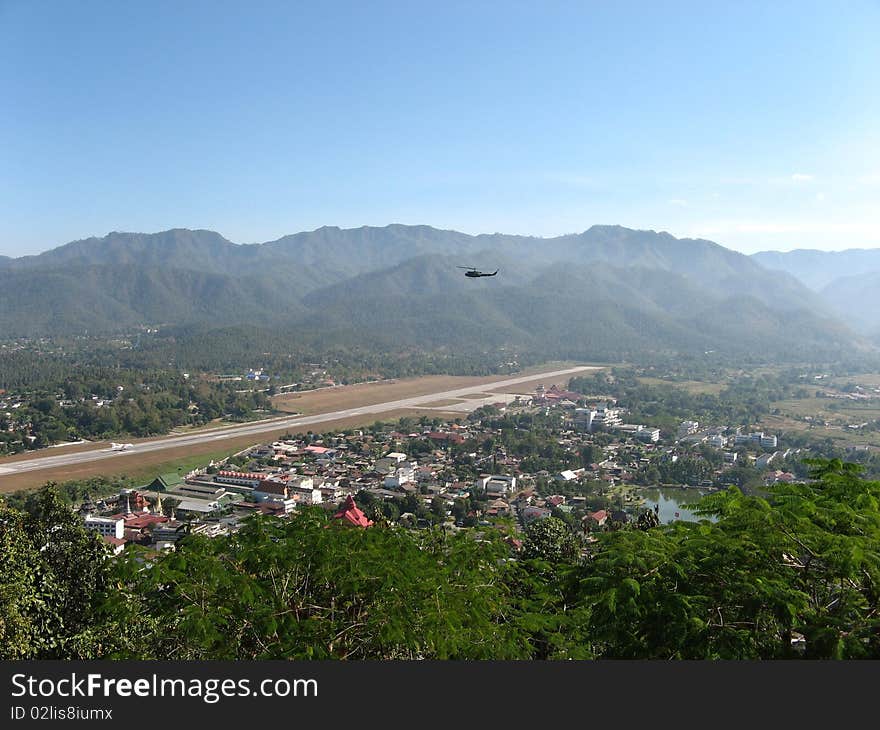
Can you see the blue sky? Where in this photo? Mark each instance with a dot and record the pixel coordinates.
(754, 124)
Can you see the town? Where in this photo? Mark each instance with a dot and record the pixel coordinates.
(508, 463)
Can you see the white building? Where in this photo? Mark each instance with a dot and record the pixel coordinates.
(404, 474)
(106, 526)
(756, 438)
(763, 461)
(648, 435)
(606, 418)
(717, 441)
(306, 495)
(583, 418)
(496, 484)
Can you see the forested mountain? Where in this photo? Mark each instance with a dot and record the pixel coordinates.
(847, 280)
(607, 290)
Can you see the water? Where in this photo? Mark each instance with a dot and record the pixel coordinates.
(671, 500)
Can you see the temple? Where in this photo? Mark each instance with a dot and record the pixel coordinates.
(352, 514)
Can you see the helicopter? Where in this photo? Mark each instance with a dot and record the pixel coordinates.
(474, 272)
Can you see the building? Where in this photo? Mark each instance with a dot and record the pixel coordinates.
(169, 532)
(199, 491)
(496, 484)
(583, 419)
(606, 418)
(351, 514)
(717, 441)
(756, 438)
(686, 428)
(306, 494)
(404, 473)
(106, 526)
(763, 461)
(241, 479)
(197, 506)
(595, 519)
(648, 435)
(114, 544)
(532, 513)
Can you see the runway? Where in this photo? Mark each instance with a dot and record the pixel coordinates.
(268, 425)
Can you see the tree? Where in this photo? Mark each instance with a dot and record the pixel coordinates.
(52, 571)
(549, 539)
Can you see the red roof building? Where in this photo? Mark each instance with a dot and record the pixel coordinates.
(352, 514)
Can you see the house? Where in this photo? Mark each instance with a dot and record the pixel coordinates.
(445, 438)
(532, 513)
(498, 507)
(596, 519)
(115, 544)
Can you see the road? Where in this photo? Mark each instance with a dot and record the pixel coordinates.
(268, 425)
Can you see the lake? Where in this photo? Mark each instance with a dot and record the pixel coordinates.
(671, 500)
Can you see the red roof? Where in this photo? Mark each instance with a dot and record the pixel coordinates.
(352, 514)
(138, 522)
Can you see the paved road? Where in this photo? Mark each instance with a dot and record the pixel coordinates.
(273, 424)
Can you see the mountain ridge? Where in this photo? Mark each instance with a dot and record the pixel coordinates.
(608, 287)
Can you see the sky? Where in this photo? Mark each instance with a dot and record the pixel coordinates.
(753, 124)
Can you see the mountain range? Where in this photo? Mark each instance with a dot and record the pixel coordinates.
(609, 291)
(849, 281)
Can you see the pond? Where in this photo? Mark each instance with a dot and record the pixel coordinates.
(670, 500)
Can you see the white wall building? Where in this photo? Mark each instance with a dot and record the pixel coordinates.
(583, 418)
(403, 474)
(106, 526)
(606, 418)
(648, 435)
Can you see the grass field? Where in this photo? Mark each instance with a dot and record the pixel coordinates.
(842, 436)
(691, 386)
(830, 409)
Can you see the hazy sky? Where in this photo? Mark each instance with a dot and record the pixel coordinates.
(755, 124)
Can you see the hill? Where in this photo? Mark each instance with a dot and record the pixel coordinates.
(608, 290)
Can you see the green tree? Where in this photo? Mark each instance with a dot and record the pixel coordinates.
(549, 539)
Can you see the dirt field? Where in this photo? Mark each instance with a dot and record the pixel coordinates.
(366, 394)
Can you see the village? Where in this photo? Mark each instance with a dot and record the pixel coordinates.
(507, 463)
